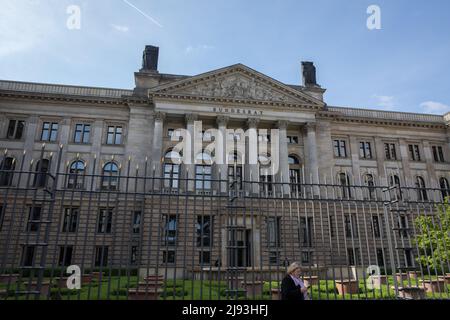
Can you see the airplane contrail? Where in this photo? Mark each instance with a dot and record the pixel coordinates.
(143, 13)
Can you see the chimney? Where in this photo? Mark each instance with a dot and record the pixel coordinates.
(309, 74)
(150, 59)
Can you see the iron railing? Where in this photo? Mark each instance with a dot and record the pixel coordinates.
(136, 235)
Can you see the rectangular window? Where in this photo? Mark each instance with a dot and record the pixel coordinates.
(170, 230)
(274, 258)
(49, 131)
(292, 139)
(266, 184)
(353, 256)
(306, 257)
(114, 136)
(34, 219)
(340, 149)
(65, 256)
(169, 257)
(306, 232)
(274, 232)
(365, 150)
(409, 258)
(28, 255)
(332, 226)
(203, 177)
(203, 230)
(204, 258)
(402, 224)
(134, 255)
(380, 258)
(376, 227)
(15, 129)
(351, 228)
(2, 215)
(82, 133)
(390, 151)
(137, 217)
(414, 152)
(70, 220)
(235, 174)
(105, 218)
(438, 154)
(101, 256)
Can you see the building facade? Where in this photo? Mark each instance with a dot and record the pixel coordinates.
(98, 138)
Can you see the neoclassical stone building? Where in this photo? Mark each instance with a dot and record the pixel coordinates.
(105, 131)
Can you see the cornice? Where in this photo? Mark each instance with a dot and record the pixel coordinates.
(61, 98)
(336, 117)
(243, 102)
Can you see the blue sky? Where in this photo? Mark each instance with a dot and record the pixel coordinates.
(405, 66)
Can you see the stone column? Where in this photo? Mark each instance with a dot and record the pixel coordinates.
(221, 152)
(251, 158)
(283, 173)
(428, 153)
(380, 156)
(139, 142)
(157, 151)
(448, 138)
(404, 155)
(64, 139)
(30, 136)
(190, 150)
(312, 174)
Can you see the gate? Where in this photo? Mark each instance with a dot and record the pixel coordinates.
(96, 231)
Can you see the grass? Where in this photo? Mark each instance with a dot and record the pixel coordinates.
(116, 288)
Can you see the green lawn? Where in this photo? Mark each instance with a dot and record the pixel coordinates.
(116, 288)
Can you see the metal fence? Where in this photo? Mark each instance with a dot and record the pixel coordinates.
(138, 235)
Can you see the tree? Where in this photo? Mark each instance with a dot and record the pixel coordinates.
(433, 238)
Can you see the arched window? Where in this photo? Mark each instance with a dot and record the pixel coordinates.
(294, 175)
(265, 176)
(235, 171)
(7, 168)
(172, 170)
(421, 189)
(40, 177)
(445, 187)
(344, 181)
(394, 181)
(203, 171)
(370, 183)
(76, 175)
(110, 180)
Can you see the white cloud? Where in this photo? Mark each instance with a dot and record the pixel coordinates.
(435, 107)
(120, 28)
(25, 25)
(194, 49)
(385, 102)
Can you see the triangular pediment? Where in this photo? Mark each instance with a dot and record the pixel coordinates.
(236, 83)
